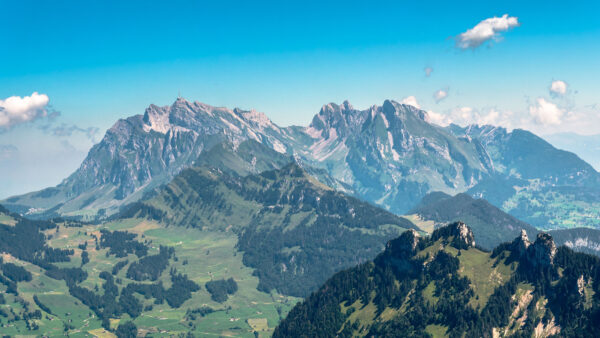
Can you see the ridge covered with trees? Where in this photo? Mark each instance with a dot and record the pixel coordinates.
(292, 229)
(443, 285)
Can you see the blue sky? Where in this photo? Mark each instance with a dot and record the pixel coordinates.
(97, 61)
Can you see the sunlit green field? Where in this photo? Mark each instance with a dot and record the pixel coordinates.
(553, 210)
(202, 255)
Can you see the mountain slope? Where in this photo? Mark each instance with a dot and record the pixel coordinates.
(579, 239)
(442, 285)
(490, 225)
(523, 154)
(535, 182)
(162, 262)
(249, 157)
(292, 229)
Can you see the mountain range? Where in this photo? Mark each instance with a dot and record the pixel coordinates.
(388, 155)
(204, 220)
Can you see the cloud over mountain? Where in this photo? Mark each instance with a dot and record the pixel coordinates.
(464, 116)
(16, 110)
(412, 101)
(545, 112)
(486, 30)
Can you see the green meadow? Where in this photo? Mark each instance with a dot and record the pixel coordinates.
(202, 255)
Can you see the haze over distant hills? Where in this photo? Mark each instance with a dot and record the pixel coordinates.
(389, 155)
(586, 146)
(492, 226)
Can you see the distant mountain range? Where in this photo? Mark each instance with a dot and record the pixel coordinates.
(388, 155)
(443, 286)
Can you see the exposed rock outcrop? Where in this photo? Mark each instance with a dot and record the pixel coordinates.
(542, 251)
(462, 236)
(521, 244)
(404, 246)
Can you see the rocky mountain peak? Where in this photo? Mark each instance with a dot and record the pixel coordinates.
(542, 251)
(462, 235)
(292, 170)
(157, 118)
(347, 106)
(404, 246)
(181, 101)
(391, 108)
(521, 243)
(334, 121)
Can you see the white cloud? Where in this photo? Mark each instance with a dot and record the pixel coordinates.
(486, 30)
(437, 118)
(16, 110)
(558, 88)
(545, 112)
(464, 116)
(440, 95)
(428, 71)
(411, 100)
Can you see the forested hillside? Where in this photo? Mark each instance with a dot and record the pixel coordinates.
(292, 229)
(443, 285)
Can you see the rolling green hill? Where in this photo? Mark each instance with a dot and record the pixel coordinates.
(443, 286)
(292, 229)
(211, 253)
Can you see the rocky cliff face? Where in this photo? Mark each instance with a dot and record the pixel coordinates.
(145, 151)
(521, 244)
(542, 251)
(390, 154)
(539, 253)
